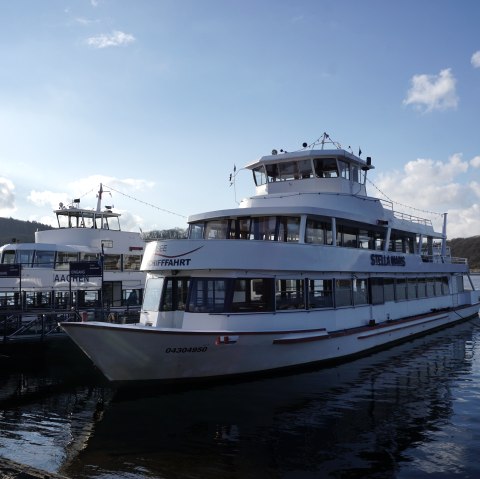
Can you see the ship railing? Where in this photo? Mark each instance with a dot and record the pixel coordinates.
(405, 216)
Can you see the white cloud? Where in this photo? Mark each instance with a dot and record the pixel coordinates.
(114, 39)
(426, 186)
(476, 59)
(94, 3)
(7, 197)
(475, 162)
(433, 92)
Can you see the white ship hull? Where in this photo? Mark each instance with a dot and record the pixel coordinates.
(133, 353)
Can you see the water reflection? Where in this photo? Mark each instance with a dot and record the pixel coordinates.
(407, 412)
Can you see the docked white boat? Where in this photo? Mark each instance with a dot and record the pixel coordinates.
(310, 269)
(106, 275)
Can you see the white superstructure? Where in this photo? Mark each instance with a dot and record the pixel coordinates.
(308, 269)
(37, 276)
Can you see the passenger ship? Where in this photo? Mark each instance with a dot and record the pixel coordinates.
(309, 269)
(38, 276)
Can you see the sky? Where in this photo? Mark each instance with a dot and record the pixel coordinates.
(159, 99)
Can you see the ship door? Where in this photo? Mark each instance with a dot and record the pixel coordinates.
(112, 293)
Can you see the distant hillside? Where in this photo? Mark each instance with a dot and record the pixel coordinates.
(467, 248)
(22, 231)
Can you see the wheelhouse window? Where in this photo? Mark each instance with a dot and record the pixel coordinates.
(344, 168)
(259, 175)
(325, 167)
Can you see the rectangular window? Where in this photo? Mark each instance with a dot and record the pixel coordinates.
(195, 231)
(251, 295)
(153, 291)
(365, 239)
(259, 175)
(421, 288)
(412, 288)
(445, 287)
(25, 257)
(360, 291)
(132, 262)
(430, 288)
(174, 295)
(305, 169)
(348, 237)
(64, 259)
(344, 168)
(8, 257)
(401, 289)
(289, 294)
(320, 293)
(325, 167)
(343, 292)
(289, 229)
(112, 262)
(388, 289)
(376, 290)
(44, 259)
(265, 228)
(216, 229)
(315, 232)
(207, 295)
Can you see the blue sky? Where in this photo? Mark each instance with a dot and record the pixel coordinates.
(159, 99)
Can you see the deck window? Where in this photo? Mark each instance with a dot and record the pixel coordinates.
(64, 259)
(216, 229)
(264, 228)
(132, 262)
(343, 292)
(289, 294)
(289, 229)
(376, 290)
(207, 295)
(25, 257)
(412, 288)
(360, 291)
(401, 289)
(112, 262)
(8, 257)
(44, 259)
(388, 289)
(318, 232)
(320, 293)
(250, 295)
(174, 295)
(195, 231)
(421, 288)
